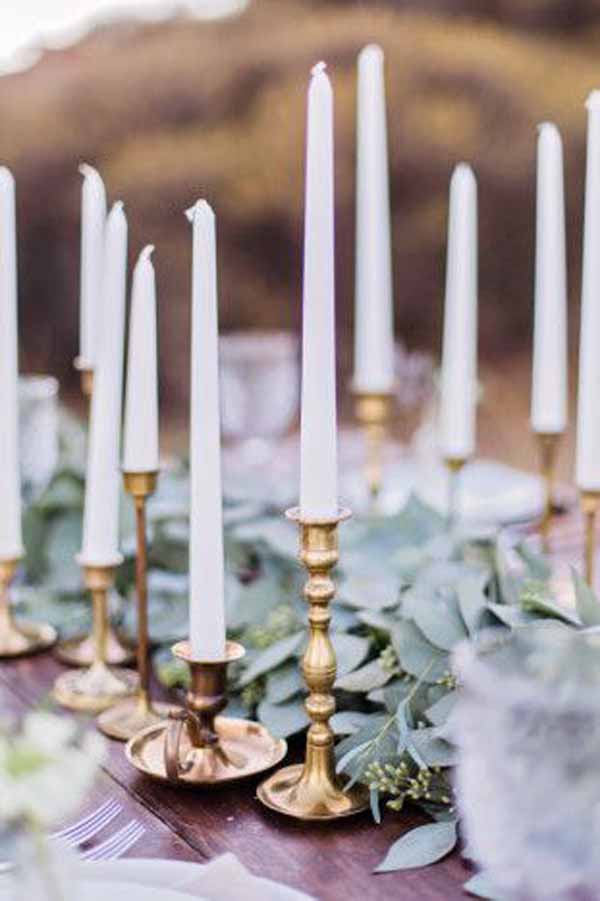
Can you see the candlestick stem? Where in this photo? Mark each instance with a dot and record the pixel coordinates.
(127, 718)
(590, 503)
(99, 687)
(548, 444)
(455, 466)
(18, 640)
(373, 413)
(313, 791)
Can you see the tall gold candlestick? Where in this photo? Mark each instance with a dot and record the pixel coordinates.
(313, 791)
(81, 650)
(197, 746)
(99, 687)
(455, 466)
(19, 639)
(374, 413)
(590, 503)
(548, 444)
(128, 717)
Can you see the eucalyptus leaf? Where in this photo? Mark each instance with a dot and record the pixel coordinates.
(417, 655)
(440, 621)
(273, 656)
(433, 749)
(350, 651)
(348, 722)
(364, 679)
(420, 847)
(537, 565)
(482, 887)
(439, 712)
(283, 683)
(472, 600)
(283, 720)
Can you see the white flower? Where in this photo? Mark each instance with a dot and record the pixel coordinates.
(46, 769)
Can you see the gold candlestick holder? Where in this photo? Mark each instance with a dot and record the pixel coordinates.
(23, 638)
(455, 466)
(81, 650)
(128, 717)
(590, 504)
(312, 790)
(548, 445)
(196, 747)
(373, 411)
(99, 687)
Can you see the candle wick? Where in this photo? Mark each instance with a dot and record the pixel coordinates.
(318, 69)
(86, 170)
(200, 206)
(146, 253)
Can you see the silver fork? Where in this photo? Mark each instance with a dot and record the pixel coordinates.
(117, 845)
(85, 829)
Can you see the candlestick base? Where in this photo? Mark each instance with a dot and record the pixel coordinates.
(95, 689)
(127, 718)
(80, 651)
(313, 791)
(23, 638)
(309, 792)
(197, 748)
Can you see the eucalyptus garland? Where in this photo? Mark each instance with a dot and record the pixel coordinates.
(409, 590)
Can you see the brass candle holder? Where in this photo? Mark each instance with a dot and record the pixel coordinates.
(81, 650)
(590, 504)
(99, 687)
(23, 638)
(548, 446)
(196, 747)
(455, 466)
(128, 717)
(313, 790)
(373, 411)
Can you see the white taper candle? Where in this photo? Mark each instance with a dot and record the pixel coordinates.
(93, 224)
(103, 477)
(587, 473)
(11, 541)
(458, 393)
(549, 384)
(140, 439)
(318, 451)
(207, 572)
(374, 313)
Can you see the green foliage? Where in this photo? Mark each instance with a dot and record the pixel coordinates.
(408, 594)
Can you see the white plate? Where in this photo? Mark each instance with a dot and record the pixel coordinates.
(129, 891)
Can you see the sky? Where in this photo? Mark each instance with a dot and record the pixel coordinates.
(26, 25)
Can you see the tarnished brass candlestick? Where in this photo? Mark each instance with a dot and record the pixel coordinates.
(18, 640)
(81, 650)
(590, 503)
(313, 791)
(455, 466)
(196, 747)
(97, 688)
(127, 718)
(548, 444)
(373, 412)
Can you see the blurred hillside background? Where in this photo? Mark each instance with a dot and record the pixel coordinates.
(180, 108)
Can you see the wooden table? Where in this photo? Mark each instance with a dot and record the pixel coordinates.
(333, 861)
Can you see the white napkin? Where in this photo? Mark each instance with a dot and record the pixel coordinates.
(223, 879)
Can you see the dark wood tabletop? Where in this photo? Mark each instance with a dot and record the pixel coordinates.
(328, 861)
